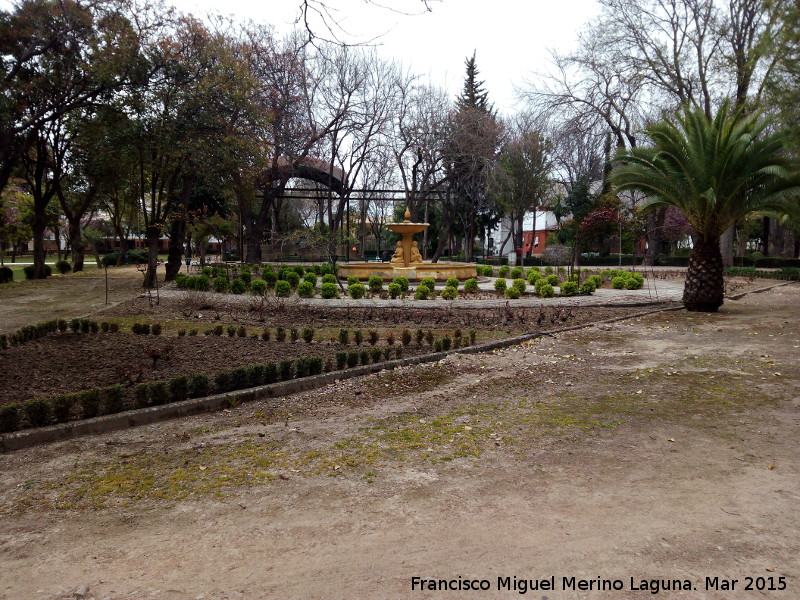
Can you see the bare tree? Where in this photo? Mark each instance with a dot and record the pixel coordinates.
(418, 138)
(323, 20)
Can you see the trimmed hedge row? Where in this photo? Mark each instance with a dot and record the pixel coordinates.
(34, 332)
(785, 273)
(40, 412)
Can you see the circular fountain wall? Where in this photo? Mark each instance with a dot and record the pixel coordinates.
(407, 261)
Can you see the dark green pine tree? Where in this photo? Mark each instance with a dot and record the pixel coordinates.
(473, 95)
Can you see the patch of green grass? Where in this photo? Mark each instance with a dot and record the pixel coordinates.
(466, 431)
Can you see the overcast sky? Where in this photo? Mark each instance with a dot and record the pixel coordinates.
(511, 37)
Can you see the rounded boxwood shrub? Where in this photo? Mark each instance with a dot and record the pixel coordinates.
(533, 276)
(588, 287)
(158, 393)
(449, 293)
(62, 407)
(90, 403)
(199, 385)
(618, 283)
(500, 285)
(38, 411)
(299, 269)
(516, 273)
(302, 367)
(201, 283)
(428, 282)
(503, 271)
(258, 287)
(220, 284)
(310, 278)
(356, 291)
(402, 282)
(546, 291)
(471, 285)
(634, 281)
(140, 397)
(29, 270)
(452, 282)
(520, 285)
(293, 278)
(598, 281)
(632, 284)
(569, 288)
(352, 280)
(10, 415)
(305, 289)
(238, 286)
(63, 267)
(512, 293)
(328, 278)
(113, 399)
(270, 277)
(375, 284)
(329, 291)
(394, 290)
(283, 288)
(422, 292)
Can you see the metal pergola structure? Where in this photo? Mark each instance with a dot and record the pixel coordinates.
(371, 195)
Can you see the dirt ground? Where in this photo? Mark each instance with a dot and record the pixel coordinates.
(76, 295)
(655, 449)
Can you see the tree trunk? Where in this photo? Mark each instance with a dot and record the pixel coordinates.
(704, 288)
(654, 235)
(726, 244)
(77, 245)
(123, 245)
(152, 233)
(38, 247)
(177, 240)
(444, 237)
(765, 231)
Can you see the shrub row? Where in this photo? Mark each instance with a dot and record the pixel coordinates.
(34, 332)
(785, 273)
(625, 280)
(138, 257)
(39, 412)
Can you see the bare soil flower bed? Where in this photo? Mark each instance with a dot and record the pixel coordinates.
(69, 362)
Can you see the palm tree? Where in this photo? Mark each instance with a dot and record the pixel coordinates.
(715, 171)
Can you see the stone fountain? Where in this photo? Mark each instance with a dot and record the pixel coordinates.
(407, 260)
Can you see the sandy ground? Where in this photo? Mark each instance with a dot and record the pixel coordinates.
(656, 449)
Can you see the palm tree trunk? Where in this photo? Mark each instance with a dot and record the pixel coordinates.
(704, 287)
